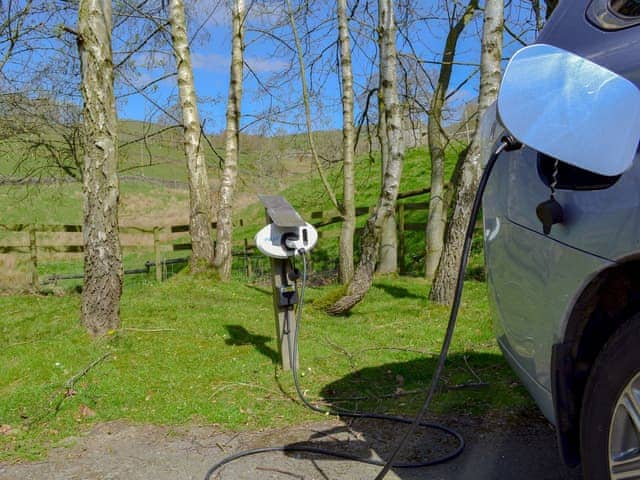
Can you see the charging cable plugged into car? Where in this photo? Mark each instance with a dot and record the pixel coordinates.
(283, 242)
(528, 122)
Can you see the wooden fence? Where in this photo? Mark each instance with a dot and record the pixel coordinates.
(30, 239)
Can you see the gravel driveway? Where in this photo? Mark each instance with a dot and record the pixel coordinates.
(514, 447)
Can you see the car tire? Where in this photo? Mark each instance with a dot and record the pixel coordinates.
(608, 435)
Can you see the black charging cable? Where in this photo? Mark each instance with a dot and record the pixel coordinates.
(293, 356)
(507, 143)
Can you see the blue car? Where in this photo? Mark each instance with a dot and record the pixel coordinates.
(562, 230)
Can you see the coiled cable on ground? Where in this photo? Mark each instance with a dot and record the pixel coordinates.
(507, 143)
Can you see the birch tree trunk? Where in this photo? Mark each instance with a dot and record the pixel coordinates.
(537, 13)
(347, 232)
(443, 288)
(437, 219)
(224, 228)
(550, 6)
(103, 255)
(388, 255)
(307, 109)
(370, 245)
(199, 196)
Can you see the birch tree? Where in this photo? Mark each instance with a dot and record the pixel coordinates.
(224, 226)
(536, 7)
(307, 107)
(443, 287)
(199, 194)
(388, 255)
(348, 134)
(437, 219)
(103, 256)
(370, 244)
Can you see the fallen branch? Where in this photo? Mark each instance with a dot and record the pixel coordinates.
(466, 362)
(224, 386)
(342, 350)
(396, 349)
(462, 386)
(69, 384)
(28, 342)
(147, 330)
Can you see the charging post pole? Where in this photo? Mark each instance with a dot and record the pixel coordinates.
(283, 277)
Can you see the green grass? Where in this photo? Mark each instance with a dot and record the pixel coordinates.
(308, 195)
(62, 203)
(209, 357)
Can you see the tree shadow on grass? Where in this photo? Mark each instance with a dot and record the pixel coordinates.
(477, 389)
(398, 292)
(264, 291)
(241, 336)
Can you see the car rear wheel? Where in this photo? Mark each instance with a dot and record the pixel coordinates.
(610, 419)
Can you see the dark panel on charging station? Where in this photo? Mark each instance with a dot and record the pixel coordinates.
(281, 212)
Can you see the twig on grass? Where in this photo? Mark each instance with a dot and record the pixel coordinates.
(396, 349)
(147, 330)
(340, 349)
(224, 386)
(69, 384)
(462, 386)
(27, 342)
(466, 362)
(396, 394)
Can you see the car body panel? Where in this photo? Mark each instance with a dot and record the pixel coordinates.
(533, 281)
(568, 28)
(604, 222)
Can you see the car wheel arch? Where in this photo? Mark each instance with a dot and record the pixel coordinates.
(603, 305)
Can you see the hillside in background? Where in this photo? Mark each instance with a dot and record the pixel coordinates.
(154, 190)
(152, 171)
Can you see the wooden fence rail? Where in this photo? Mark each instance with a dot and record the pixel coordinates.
(165, 238)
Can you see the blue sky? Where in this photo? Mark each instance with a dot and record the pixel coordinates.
(269, 59)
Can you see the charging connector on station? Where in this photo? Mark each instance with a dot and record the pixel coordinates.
(281, 215)
(287, 295)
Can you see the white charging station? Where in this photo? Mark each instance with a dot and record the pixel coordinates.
(285, 236)
(282, 242)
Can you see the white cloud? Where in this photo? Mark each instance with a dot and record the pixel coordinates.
(216, 62)
(210, 62)
(264, 64)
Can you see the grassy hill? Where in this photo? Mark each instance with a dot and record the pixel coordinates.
(154, 190)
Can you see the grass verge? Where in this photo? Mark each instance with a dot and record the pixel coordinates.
(192, 351)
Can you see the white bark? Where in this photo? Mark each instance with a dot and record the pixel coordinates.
(199, 196)
(437, 219)
(347, 232)
(307, 108)
(103, 255)
(443, 287)
(224, 227)
(370, 246)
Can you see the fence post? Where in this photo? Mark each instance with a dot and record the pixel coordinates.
(33, 249)
(157, 253)
(247, 259)
(401, 239)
